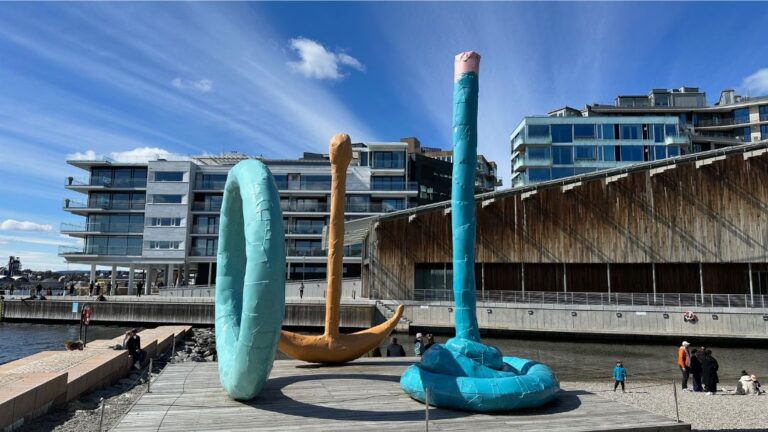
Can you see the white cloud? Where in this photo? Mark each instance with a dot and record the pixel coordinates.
(757, 83)
(14, 225)
(137, 155)
(203, 85)
(318, 62)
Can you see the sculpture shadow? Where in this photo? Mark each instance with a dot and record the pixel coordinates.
(356, 364)
(273, 399)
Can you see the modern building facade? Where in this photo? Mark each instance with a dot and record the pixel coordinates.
(162, 216)
(546, 148)
(732, 120)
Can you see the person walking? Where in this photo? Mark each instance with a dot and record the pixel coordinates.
(109, 288)
(418, 346)
(301, 291)
(139, 286)
(709, 369)
(684, 362)
(695, 370)
(91, 287)
(619, 375)
(394, 349)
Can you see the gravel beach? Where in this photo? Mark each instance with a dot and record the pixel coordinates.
(723, 411)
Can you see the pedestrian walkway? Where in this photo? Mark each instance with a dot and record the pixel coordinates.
(363, 395)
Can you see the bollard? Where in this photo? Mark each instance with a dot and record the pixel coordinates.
(677, 409)
(173, 349)
(149, 377)
(426, 409)
(101, 420)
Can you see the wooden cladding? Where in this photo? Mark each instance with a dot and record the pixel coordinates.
(714, 214)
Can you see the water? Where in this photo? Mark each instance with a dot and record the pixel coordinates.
(595, 360)
(569, 360)
(19, 340)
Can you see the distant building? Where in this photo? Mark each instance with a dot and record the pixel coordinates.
(486, 179)
(663, 123)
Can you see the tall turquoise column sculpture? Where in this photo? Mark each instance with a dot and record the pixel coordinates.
(463, 373)
(250, 279)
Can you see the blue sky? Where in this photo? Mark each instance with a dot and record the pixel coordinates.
(137, 79)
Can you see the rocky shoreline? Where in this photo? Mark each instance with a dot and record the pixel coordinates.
(84, 414)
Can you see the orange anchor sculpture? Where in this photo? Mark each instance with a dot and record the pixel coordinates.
(332, 347)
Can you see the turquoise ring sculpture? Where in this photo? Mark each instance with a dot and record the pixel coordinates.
(250, 279)
(464, 373)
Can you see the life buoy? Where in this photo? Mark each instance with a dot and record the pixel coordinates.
(689, 316)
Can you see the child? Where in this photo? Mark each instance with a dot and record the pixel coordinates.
(619, 375)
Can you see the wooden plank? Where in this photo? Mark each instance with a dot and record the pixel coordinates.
(363, 395)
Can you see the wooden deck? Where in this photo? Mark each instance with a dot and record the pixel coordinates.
(363, 395)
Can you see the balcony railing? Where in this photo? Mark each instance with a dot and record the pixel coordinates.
(349, 208)
(608, 299)
(205, 229)
(210, 184)
(396, 186)
(326, 186)
(304, 229)
(105, 182)
(102, 227)
(304, 207)
(387, 164)
(206, 206)
(301, 252)
(100, 250)
(723, 121)
(113, 205)
(202, 251)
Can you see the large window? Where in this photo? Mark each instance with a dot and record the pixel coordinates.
(741, 116)
(670, 130)
(539, 174)
(116, 223)
(764, 132)
(537, 153)
(389, 183)
(606, 131)
(562, 133)
(169, 176)
(113, 245)
(763, 113)
(308, 226)
(538, 131)
(631, 153)
(584, 131)
(585, 152)
(610, 153)
(117, 201)
(119, 177)
(560, 172)
(212, 181)
(673, 151)
(659, 152)
(164, 244)
(744, 134)
(658, 133)
(562, 155)
(630, 132)
(388, 159)
(167, 199)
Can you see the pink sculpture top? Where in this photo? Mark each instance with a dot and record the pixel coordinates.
(468, 61)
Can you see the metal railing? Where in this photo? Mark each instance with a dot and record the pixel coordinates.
(205, 229)
(105, 182)
(114, 205)
(596, 298)
(101, 227)
(206, 206)
(723, 121)
(311, 229)
(100, 250)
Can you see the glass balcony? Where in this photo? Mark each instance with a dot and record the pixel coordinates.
(106, 182)
(303, 207)
(300, 252)
(206, 206)
(396, 186)
(723, 121)
(104, 205)
(202, 251)
(304, 229)
(205, 229)
(388, 164)
(210, 184)
(99, 250)
(102, 227)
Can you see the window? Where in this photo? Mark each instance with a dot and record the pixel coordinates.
(670, 130)
(388, 205)
(169, 176)
(562, 133)
(607, 132)
(609, 153)
(561, 172)
(764, 132)
(659, 152)
(658, 133)
(630, 132)
(537, 153)
(578, 171)
(388, 160)
(584, 131)
(538, 174)
(165, 222)
(164, 244)
(211, 181)
(741, 116)
(538, 131)
(562, 155)
(763, 113)
(631, 153)
(363, 158)
(387, 183)
(167, 199)
(585, 152)
(673, 151)
(744, 134)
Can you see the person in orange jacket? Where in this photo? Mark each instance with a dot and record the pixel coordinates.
(684, 362)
